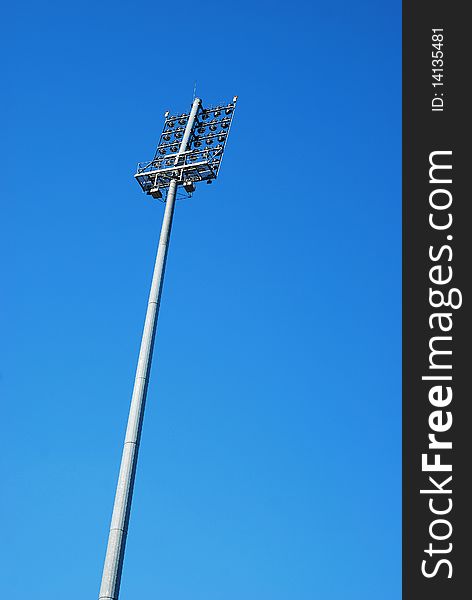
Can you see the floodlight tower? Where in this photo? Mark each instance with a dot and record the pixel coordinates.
(190, 150)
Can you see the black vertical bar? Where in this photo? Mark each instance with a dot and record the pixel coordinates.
(437, 554)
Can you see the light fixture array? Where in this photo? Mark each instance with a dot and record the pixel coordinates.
(201, 159)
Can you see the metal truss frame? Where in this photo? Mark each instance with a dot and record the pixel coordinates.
(201, 160)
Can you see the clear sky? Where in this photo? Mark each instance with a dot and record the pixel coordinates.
(270, 457)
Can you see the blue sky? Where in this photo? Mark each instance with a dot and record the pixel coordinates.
(270, 458)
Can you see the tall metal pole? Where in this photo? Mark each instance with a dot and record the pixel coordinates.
(110, 586)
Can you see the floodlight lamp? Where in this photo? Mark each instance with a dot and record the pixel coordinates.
(189, 186)
(225, 124)
(182, 121)
(198, 143)
(170, 123)
(213, 127)
(173, 148)
(155, 193)
(217, 113)
(228, 111)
